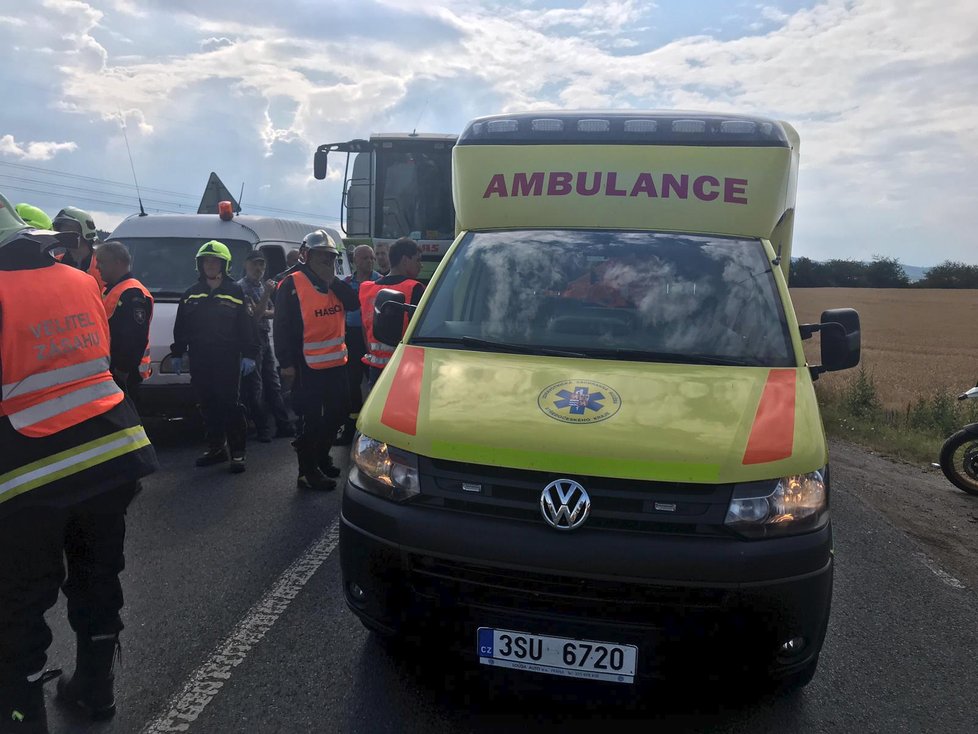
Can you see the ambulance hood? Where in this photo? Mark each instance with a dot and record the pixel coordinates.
(638, 420)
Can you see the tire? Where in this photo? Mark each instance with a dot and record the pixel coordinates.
(963, 471)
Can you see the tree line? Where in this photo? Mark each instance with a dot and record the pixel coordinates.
(881, 272)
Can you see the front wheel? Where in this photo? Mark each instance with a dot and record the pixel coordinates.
(959, 460)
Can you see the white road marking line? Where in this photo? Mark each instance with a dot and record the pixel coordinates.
(940, 572)
(205, 683)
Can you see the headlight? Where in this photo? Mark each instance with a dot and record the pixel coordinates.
(788, 506)
(385, 471)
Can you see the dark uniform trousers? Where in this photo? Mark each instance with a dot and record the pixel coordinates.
(356, 370)
(216, 379)
(322, 399)
(35, 544)
(262, 389)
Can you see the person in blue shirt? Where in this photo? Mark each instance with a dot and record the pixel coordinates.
(261, 391)
(363, 264)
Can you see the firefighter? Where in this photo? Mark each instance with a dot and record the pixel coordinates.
(213, 323)
(80, 252)
(129, 309)
(405, 259)
(310, 331)
(72, 452)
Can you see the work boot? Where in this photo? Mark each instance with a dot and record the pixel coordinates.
(90, 687)
(345, 436)
(237, 462)
(22, 705)
(312, 478)
(327, 467)
(213, 455)
(310, 475)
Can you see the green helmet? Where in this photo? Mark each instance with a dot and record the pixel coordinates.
(215, 249)
(34, 216)
(14, 229)
(73, 219)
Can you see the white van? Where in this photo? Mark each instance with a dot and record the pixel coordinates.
(164, 247)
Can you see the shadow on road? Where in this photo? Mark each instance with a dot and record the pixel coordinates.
(458, 697)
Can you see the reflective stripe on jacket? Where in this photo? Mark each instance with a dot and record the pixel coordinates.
(323, 325)
(73, 461)
(111, 301)
(379, 354)
(54, 348)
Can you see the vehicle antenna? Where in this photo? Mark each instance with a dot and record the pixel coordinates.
(423, 110)
(139, 198)
(240, 197)
(777, 260)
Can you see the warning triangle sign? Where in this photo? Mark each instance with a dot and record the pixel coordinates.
(214, 192)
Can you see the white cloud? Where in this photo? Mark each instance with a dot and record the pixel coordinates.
(773, 14)
(209, 44)
(33, 151)
(885, 97)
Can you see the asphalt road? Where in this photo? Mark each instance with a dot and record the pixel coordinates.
(236, 623)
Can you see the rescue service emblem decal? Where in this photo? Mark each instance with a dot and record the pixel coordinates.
(579, 401)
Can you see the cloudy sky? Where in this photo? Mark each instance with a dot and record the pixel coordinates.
(883, 92)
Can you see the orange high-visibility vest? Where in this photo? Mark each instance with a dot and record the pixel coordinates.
(379, 354)
(111, 301)
(94, 272)
(323, 325)
(54, 350)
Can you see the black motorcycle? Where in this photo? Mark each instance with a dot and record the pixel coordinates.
(959, 454)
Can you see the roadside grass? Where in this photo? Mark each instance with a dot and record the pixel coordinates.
(852, 410)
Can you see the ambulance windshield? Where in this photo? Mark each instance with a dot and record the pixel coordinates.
(611, 295)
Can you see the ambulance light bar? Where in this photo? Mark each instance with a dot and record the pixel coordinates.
(625, 127)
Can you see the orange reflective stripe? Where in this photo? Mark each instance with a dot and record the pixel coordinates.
(145, 365)
(772, 436)
(404, 396)
(59, 412)
(50, 378)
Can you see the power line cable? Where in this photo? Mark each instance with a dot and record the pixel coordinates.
(93, 199)
(57, 188)
(65, 174)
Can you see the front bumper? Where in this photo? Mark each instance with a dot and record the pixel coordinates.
(696, 607)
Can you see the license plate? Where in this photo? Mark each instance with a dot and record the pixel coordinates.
(557, 655)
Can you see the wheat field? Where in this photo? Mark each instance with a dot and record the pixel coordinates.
(914, 342)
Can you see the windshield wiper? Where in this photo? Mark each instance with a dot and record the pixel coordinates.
(671, 357)
(471, 341)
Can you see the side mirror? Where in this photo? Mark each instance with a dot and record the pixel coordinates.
(840, 340)
(319, 164)
(389, 312)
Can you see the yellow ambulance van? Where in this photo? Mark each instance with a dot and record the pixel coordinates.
(597, 452)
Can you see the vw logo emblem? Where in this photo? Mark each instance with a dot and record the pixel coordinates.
(565, 504)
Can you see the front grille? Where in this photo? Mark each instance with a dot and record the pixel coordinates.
(454, 584)
(616, 504)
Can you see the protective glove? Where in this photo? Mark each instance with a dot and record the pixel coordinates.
(247, 366)
(177, 364)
